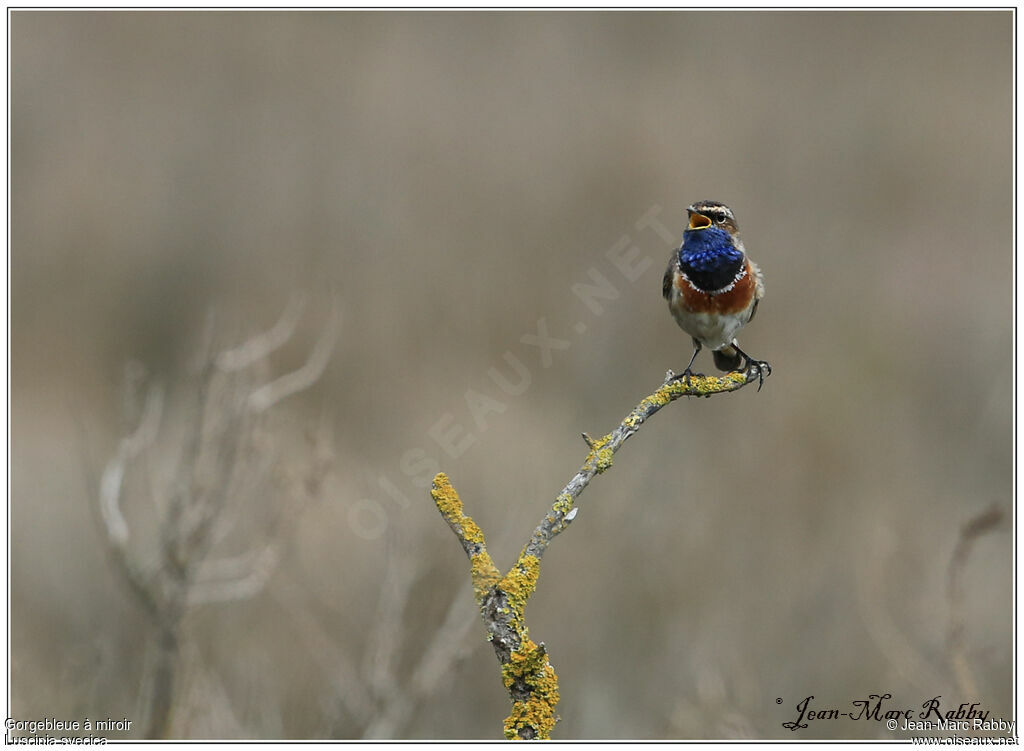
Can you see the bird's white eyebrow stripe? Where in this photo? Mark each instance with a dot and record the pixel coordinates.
(710, 208)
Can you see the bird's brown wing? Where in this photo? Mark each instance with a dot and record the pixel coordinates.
(666, 281)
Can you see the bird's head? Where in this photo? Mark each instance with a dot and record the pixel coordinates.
(705, 214)
(711, 241)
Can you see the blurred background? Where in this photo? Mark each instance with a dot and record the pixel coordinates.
(271, 271)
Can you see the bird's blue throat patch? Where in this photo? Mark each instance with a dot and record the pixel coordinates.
(709, 259)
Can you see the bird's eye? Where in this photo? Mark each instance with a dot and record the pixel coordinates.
(720, 218)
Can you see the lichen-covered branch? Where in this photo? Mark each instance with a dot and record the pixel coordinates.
(483, 572)
(602, 449)
(526, 672)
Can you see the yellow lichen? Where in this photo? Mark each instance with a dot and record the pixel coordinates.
(599, 454)
(562, 505)
(450, 506)
(701, 385)
(519, 583)
(659, 398)
(604, 460)
(529, 670)
(483, 572)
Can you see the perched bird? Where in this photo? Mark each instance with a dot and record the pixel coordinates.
(712, 287)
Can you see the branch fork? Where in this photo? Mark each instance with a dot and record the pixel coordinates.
(526, 671)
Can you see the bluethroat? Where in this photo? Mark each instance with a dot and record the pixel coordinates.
(713, 289)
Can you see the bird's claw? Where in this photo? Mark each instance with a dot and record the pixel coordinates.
(761, 367)
(684, 376)
(763, 370)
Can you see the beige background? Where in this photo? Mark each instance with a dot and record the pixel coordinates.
(449, 177)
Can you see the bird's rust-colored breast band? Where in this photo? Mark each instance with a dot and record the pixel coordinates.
(731, 300)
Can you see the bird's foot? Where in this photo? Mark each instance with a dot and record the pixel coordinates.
(684, 376)
(762, 367)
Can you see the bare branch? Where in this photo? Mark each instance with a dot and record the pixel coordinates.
(233, 578)
(224, 458)
(223, 570)
(341, 674)
(385, 632)
(301, 379)
(113, 475)
(262, 345)
(956, 640)
(437, 661)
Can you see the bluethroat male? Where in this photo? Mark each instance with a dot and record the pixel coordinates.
(713, 289)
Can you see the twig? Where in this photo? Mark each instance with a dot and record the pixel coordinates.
(262, 345)
(298, 380)
(973, 528)
(113, 474)
(221, 464)
(526, 672)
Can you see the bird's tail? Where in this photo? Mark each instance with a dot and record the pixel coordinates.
(727, 358)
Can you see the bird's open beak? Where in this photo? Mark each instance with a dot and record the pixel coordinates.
(699, 221)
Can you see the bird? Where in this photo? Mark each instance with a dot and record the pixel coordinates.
(713, 288)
